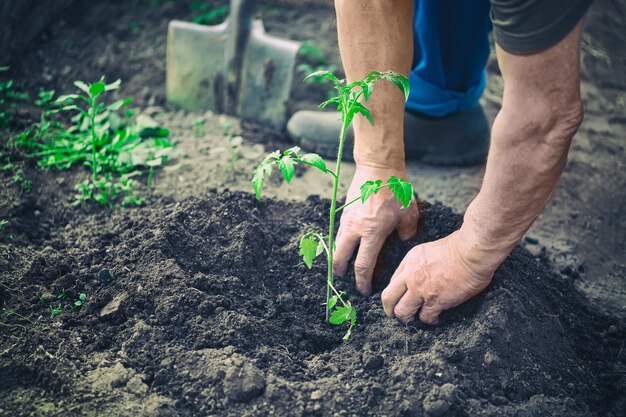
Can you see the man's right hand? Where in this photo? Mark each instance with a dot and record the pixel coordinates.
(368, 225)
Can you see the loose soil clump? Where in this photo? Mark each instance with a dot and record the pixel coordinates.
(203, 307)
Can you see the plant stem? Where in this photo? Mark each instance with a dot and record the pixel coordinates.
(93, 139)
(357, 199)
(333, 203)
(150, 174)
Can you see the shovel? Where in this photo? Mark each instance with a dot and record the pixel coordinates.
(233, 68)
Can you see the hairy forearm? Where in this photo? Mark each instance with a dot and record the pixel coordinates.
(525, 162)
(374, 35)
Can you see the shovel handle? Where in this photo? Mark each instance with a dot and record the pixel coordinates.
(241, 14)
(240, 25)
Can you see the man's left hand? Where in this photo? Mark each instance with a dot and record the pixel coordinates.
(433, 277)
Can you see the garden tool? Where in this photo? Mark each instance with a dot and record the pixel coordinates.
(233, 68)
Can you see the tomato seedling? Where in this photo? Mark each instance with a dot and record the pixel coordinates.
(349, 102)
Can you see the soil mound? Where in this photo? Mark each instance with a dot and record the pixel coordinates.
(203, 307)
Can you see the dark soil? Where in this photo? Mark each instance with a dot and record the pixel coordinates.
(203, 307)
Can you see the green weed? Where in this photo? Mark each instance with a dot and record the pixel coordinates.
(3, 224)
(9, 99)
(114, 146)
(314, 54)
(199, 129)
(207, 14)
(313, 243)
(62, 304)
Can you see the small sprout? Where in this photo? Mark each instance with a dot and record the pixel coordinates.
(349, 102)
(55, 310)
(80, 302)
(199, 127)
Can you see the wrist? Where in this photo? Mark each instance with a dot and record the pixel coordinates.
(374, 170)
(482, 255)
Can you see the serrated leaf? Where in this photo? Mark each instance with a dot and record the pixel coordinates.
(308, 250)
(320, 247)
(286, 166)
(274, 155)
(359, 108)
(327, 75)
(400, 81)
(334, 100)
(265, 168)
(314, 160)
(369, 188)
(402, 190)
(332, 301)
(342, 314)
(295, 151)
(366, 88)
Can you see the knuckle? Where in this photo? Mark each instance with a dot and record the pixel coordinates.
(404, 317)
(361, 269)
(430, 298)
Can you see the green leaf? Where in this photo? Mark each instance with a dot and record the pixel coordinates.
(286, 166)
(295, 151)
(113, 86)
(314, 160)
(327, 75)
(342, 314)
(264, 169)
(82, 296)
(369, 188)
(96, 89)
(332, 301)
(82, 86)
(366, 87)
(308, 250)
(67, 97)
(320, 247)
(359, 108)
(115, 106)
(334, 100)
(400, 81)
(402, 190)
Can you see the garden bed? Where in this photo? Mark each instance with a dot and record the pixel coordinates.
(202, 307)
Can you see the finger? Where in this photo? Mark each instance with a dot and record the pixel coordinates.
(429, 314)
(366, 261)
(345, 244)
(407, 226)
(394, 291)
(407, 307)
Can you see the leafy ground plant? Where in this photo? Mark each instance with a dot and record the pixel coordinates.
(207, 14)
(9, 99)
(115, 147)
(349, 102)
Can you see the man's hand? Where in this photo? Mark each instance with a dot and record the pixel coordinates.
(433, 277)
(368, 225)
